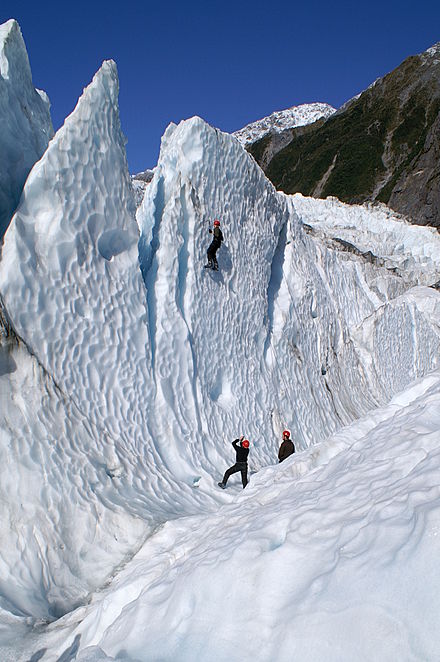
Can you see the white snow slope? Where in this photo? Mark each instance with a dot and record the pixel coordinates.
(329, 557)
(25, 123)
(127, 369)
(280, 120)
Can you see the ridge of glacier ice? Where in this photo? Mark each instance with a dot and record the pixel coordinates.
(72, 290)
(378, 231)
(280, 298)
(25, 123)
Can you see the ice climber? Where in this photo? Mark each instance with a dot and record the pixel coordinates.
(241, 447)
(287, 448)
(214, 246)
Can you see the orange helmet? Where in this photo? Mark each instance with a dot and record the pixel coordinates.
(286, 433)
(216, 222)
(245, 443)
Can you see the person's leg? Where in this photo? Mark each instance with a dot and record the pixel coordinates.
(211, 251)
(244, 476)
(229, 472)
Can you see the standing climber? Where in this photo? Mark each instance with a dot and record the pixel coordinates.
(242, 452)
(287, 448)
(214, 246)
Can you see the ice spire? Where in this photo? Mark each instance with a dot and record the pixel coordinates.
(25, 123)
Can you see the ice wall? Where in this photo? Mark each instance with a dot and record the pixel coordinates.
(72, 290)
(77, 441)
(206, 328)
(63, 525)
(272, 338)
(25, 123)
(71, 256)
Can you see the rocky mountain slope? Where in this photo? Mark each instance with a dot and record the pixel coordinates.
(381, 146)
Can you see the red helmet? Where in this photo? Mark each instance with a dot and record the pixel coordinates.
(286, 433)
(216, 222)
(245, 443)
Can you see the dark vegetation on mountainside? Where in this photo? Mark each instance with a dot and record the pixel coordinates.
(382, 146)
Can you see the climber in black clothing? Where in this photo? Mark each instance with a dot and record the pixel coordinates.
(287, 448)
(242, 452)
(214, 246)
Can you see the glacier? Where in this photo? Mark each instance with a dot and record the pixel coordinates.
(126, 369)
(25, 122)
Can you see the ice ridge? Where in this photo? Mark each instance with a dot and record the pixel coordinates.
(272, 310)
(25, 123)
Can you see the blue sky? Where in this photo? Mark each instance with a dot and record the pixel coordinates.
(229, 62)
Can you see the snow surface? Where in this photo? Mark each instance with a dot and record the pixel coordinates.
(330, 556)
(126, 369)
(432, 55)
(25, 123)
(281, 120)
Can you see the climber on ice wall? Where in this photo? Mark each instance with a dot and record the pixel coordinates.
(214, 246)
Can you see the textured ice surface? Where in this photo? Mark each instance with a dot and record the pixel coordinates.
(271, 339)
(330, 556)
(71, 253)
(284, 119)
(25, 124)
(71, 283)
(64, 527)
(151, 382)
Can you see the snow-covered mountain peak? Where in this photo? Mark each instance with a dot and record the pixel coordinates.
(432, 54)
(284, 119)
